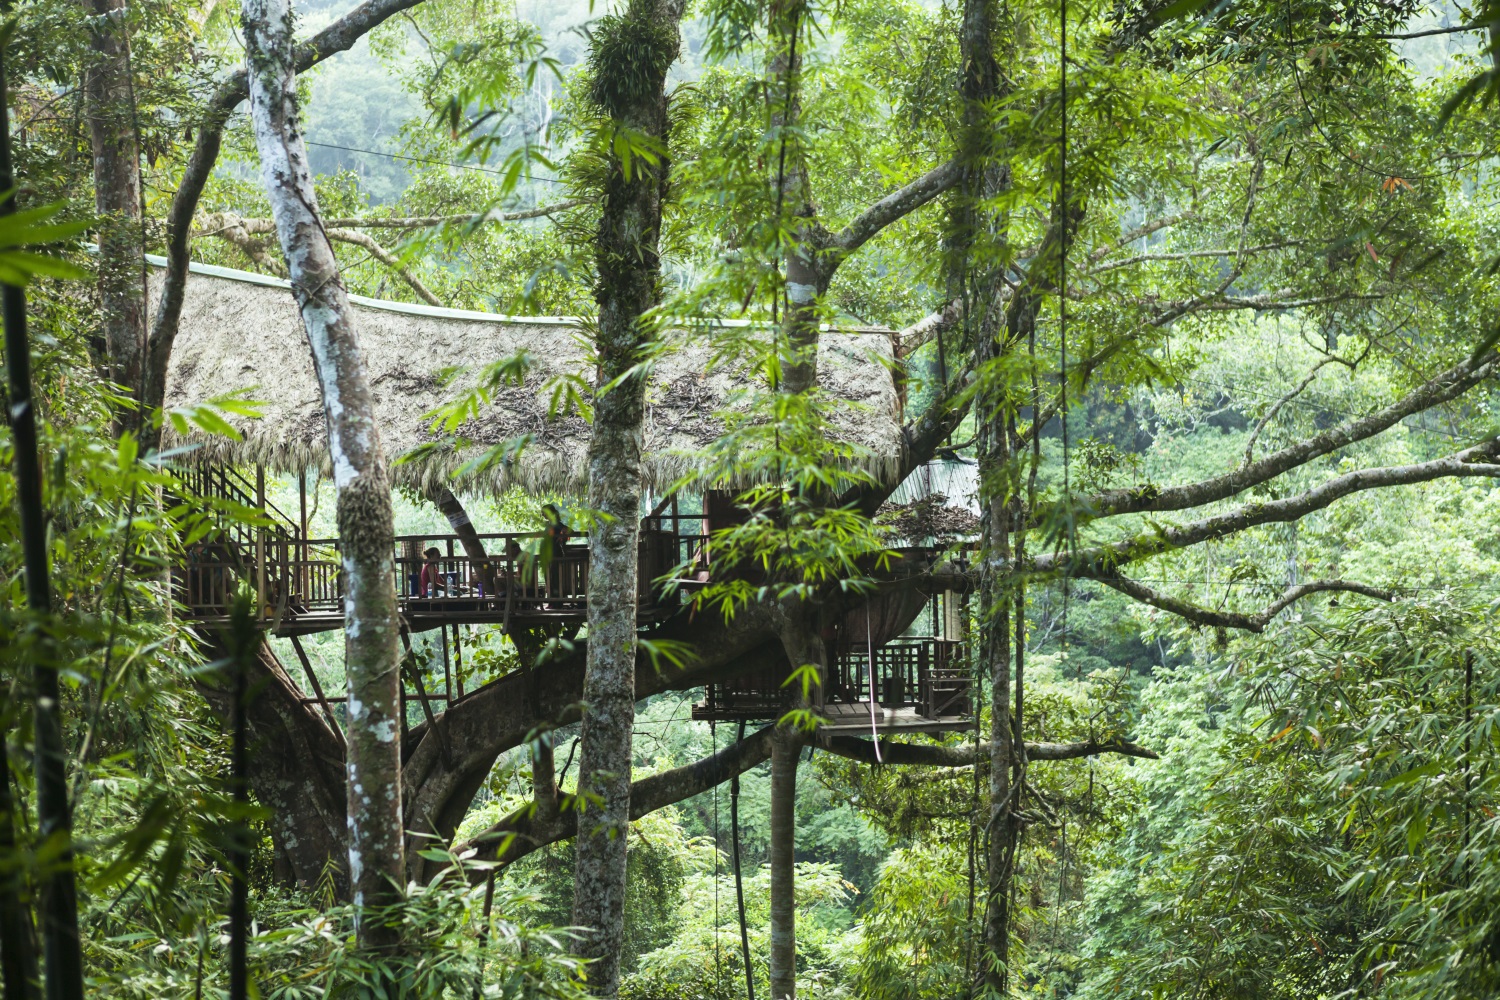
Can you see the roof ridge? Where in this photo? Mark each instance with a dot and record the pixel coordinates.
(443, 312)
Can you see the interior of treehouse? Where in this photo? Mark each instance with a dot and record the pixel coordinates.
(897, 662)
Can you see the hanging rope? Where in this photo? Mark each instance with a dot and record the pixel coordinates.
(1062, 317)
(713, 740)
(870, 672)
(739, 882)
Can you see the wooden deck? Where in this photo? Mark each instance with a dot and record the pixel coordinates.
(921, 685)
(524, 579)
(853, 719)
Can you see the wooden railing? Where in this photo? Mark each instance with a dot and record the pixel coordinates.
(299, 578)
(923, 673)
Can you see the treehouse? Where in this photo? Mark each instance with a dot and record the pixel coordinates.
(241, 333)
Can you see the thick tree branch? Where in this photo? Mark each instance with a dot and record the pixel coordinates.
(1256, 622)
(928, 328)
(932, 755)
(1444, 387)
(528, 829)
(894, 206)
(1103, 559)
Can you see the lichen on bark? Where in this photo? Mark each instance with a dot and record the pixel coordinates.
(366, 525)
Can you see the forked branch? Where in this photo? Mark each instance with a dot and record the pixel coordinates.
(1256, 622)
(1476, 462)
(529, 829)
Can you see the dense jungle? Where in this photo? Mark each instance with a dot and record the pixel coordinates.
(709, 499)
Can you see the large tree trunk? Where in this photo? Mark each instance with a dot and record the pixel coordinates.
(786, 750)
(804, 282)
(331, 40)
(372, 648)
(458, 519)
(802, 638)
(995, 653)
(631, 56)
(117, 194)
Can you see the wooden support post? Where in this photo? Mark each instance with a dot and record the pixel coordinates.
(312, 678)
(302, 580)
(458, 662)
(447, 671)
(410, 663)
(260, 544)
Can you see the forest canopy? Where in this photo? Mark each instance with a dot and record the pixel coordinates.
(659, 499)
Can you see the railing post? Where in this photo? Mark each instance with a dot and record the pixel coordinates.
(302, 581)
(260, 543)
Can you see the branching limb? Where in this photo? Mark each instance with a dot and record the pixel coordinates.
(893, 207)
(336, 38)
(242, 233)
(1103, 559)
(1191, 255)
(1256, 622)
(233, 230)
(1440, 389)
(529, 829)
(1140, 232)
(858, 748)
(928, 328)
(470, 219)
(1276, 408)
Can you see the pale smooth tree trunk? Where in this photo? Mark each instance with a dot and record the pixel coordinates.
(372, 651)
(631, 57)
(117, 193)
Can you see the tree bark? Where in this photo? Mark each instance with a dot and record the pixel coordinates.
(117, 193)
(366, 527)
(786, 750)
(631, 56)
(794, 198)
(468, 536)
(995, 658)
(62, 953)
(802, 638)
(18, 971)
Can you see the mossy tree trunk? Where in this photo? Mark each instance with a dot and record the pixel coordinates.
(631, 54)
(372, 649)
(110, 100)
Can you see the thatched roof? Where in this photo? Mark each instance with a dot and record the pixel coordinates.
(241, 331)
